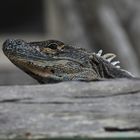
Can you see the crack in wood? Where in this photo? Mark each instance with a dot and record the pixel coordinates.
(14, 100)
(22, 101)
(109, 95)
(117, 129)
(29, 100)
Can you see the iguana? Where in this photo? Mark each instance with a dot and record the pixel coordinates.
(53, 61)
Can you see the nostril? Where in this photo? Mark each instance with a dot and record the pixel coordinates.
(7, 42)
(6, 45)
(52, 71)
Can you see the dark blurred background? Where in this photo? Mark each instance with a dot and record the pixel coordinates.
(110, 25)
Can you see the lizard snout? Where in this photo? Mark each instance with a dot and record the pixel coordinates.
(12, 45)
(8, 46)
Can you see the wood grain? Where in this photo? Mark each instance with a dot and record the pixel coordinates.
(71, 109)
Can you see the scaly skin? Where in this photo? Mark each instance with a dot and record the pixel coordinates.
(52, 61)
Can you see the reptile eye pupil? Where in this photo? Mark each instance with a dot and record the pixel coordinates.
(53, 46)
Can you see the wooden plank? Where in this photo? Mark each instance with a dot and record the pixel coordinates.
(71, 109)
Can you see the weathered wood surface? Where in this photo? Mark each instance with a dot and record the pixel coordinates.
(94, 109)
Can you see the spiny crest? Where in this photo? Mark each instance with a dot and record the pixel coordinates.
(108, 57)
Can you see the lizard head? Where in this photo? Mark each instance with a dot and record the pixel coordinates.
(49, 61)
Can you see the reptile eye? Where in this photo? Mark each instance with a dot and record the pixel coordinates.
(53, 46)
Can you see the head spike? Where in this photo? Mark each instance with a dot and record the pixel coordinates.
(99, 52)
(108, 55)
(118, 67)
(115, 62)
(111, 58)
